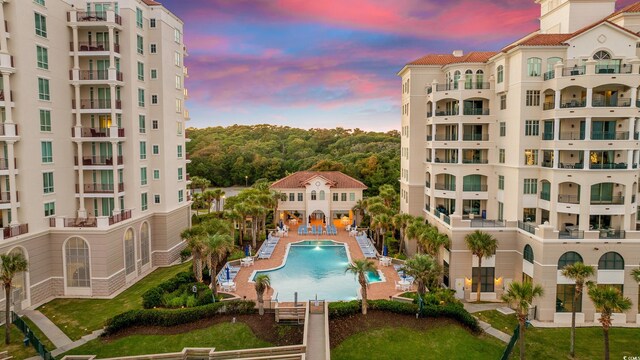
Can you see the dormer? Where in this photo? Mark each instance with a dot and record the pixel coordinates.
(567, 16)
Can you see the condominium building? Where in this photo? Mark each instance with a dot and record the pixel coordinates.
(538, 145)
(96, 91)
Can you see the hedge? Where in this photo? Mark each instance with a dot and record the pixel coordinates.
(453, 311)
(153, 297)
(173, 317)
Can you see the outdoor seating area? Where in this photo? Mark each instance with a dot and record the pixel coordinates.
(406, 281)
(368, 250)
(226, 277)
(266, 250)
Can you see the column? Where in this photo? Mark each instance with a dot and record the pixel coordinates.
(116, 178)
(112, 48)
(3, 33)
(556, 100)
(460, 132)
(76, 58)
(587, 128)
(586, 161)
(556, 129)
(632, 127)
(589, 97)
(6, 83)
(78, 125)
(629, 159)
(82, 212)
(556, 158)
(634, 96)
(12, 184)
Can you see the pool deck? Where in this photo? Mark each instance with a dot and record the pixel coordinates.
(380, 290)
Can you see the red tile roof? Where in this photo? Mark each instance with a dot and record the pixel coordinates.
(336, 179)
(446, 59)
(151, 2)
(633, 8)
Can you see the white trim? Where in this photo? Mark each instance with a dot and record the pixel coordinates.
(108, 278)
(166, 251)
(76, 290)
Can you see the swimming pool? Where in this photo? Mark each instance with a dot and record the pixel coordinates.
(316, 268)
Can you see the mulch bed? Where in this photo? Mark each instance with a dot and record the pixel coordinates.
(264, 327)
(342, 328)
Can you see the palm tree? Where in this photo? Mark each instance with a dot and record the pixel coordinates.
(635, 273)
(400, 222)
(388, 195)
(414, 229)
(217, 195)
(217, 246)
(12, 264)
(381, 224)
(520, 295)
(243, 211)
(425, 270)
(194, 237)
(262, 283)
(201, 183)
(579, 273)
(209, 197)
(359, 208)
(607, 300)
(360, 269)
(481, 245)
(433, 241)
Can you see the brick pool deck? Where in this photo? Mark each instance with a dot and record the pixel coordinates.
(380, 290)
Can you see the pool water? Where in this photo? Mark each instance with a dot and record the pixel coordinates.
(316, 268)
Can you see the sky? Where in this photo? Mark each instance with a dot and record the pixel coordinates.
(327, 63)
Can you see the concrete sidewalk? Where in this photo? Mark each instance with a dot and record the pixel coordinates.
(57, 337)
(316, 340)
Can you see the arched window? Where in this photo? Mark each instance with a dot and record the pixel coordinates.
(19, 282)
(569, 258)
(77, 263)
(545, 190)
(479, 78)
(129, 252)
(144, 243)
(468, 79)
(500, 74)
(552, 61)
(528, 253)
(313, 195)
(611, 261)
(456, 77)
(534, 66)
(602, 55)
(321, 194)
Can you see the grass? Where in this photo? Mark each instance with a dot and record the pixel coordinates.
(16, 348)
(225, 336)
(447, 342)
(39, 334)
(79, 317)
(553, 343)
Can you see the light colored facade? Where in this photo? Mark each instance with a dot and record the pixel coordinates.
(318, 195)
(93, 168)
(538, 145)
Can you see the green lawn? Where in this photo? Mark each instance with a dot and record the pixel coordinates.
(545, 343)
(447, 342)
(16, 348)
(224, 336)
(79, 317)
(39, 334)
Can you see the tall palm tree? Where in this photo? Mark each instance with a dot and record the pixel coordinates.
(209, 197)
(400, 222)
(243, 211)
(433, 241)
(381, 223)
(217, 195)
(360, 268)
(520, 295)
(194, 237)
(635, 273)
(607, 300)
(425, 270)
(388, 195)
(11, 264)
(234, 217)
(359, 208)
(481, 245)
(262, 284)
(414, 229)
(579, 273)
(217, 247)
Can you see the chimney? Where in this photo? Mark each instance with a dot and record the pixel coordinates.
(458, 53)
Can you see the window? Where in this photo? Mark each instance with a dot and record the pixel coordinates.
(178, 59)
(49, 209)
(565, 294)
(140, 71)
(76, 253)
(486, 278)
(129, 252)
(156, 199)
(144, 206)
(503, 102)
(503, 128)
(156, 174)
(501, 156)
(545, 191)
(140, 44)
(45, 120)
(154, 99)
(154, 74)
(141, 97)
(313, 195)
(352, 196)
(177, 36)
(321, 195)
(500, 182)
(152, 23)
(39, 2)
(142, 124)
(47, 182)
(47, 152)
(528, 253)
(178, 82)
(143, 176)
(178, 105)
(155, 149)
(153, 49)
(179, 128)
(529, 214)
(41, 25)
(139, 19)
(300, 197)
(500, 211)
(530, 186)
(534, 66)
(531, 157)
(335, 196)
(180, 153)
(602, 55)
(143, 150)
(532, 128)
(180, 195)
(611, 261)
(568, 258)
(500, 72)
(292, 196)
(42, 57)
(43, 89)
(343, 197)
(180, 175)
(154, 124)
(533, 97)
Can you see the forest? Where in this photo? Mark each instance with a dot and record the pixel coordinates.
(241, 154)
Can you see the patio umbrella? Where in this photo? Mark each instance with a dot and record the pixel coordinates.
(404, 275)
(354, 223)
(247, 252)
(228, 273)
(385, 250)
(281, 224)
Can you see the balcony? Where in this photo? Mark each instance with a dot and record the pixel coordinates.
(548, 106)
(572, 135)
(446, 161)
(611, 234)
(475, 137)
(445, 87)
(608, 166)
(124, 215)
(7, 129)
(574, 71)
(611, 200)
(94, 16)
(545, 195)
(527, 227)
(453, 112)
(85, 46)
(613, 69)
(613, 102)
(5, 197)
(98, 160)
(446, 137)
(75, 222)
(95, 104)
(6, 63)
(474, 187)
(549, 75)
(568, 199)
(446, 187)
(11, 231)
(100, 188)
(476, 111)
(571, 234)
(475, 161)
(97, 132)
(482, 223)
(571, 166)
(3, 97)
(573, 104)
(477, 86)
(4, 164)
(610, 135)
(94, 75)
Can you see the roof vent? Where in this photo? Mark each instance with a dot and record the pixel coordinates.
(458, 53)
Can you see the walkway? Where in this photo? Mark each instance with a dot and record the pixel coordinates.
(57, 337)
(316, 340)
(486, 327)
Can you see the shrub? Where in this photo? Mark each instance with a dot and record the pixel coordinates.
(185, 254)
(236, 254)
(343, 308)
(159, 295)
(152, 298)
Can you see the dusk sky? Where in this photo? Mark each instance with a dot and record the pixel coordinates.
(327, 63)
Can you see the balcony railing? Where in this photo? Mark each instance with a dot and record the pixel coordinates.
(476, 111)
(547, 136)
(98, 160)
(548, 106)
(83, 16)
(427, 184)
(608, 166)
(613, 102)
(3, 96)
(568, 199)
(99, 188)
(527, 227)
(613, 200)
(571, 234)
(429, 138)
(613, 69)
(571, 166)
(474, 187)
(475, 137)
(446, 161)
(573, 104)
(445, 87)
(610, 135)
(480, 223)
(475, 161)
(5, 197)
(84, 46)
(95, 104)
(572, 135)
(448, 113)
(545, 195)
(124, 215)
(574, 71)
(446, 137)
(96, 132)
(76, 222)
(4, 164)
(476, 85)
(549, 75)
(447, 187)
(11, 231)
(611, 234)
(89, 75)
(5, 129)
(547, 164)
